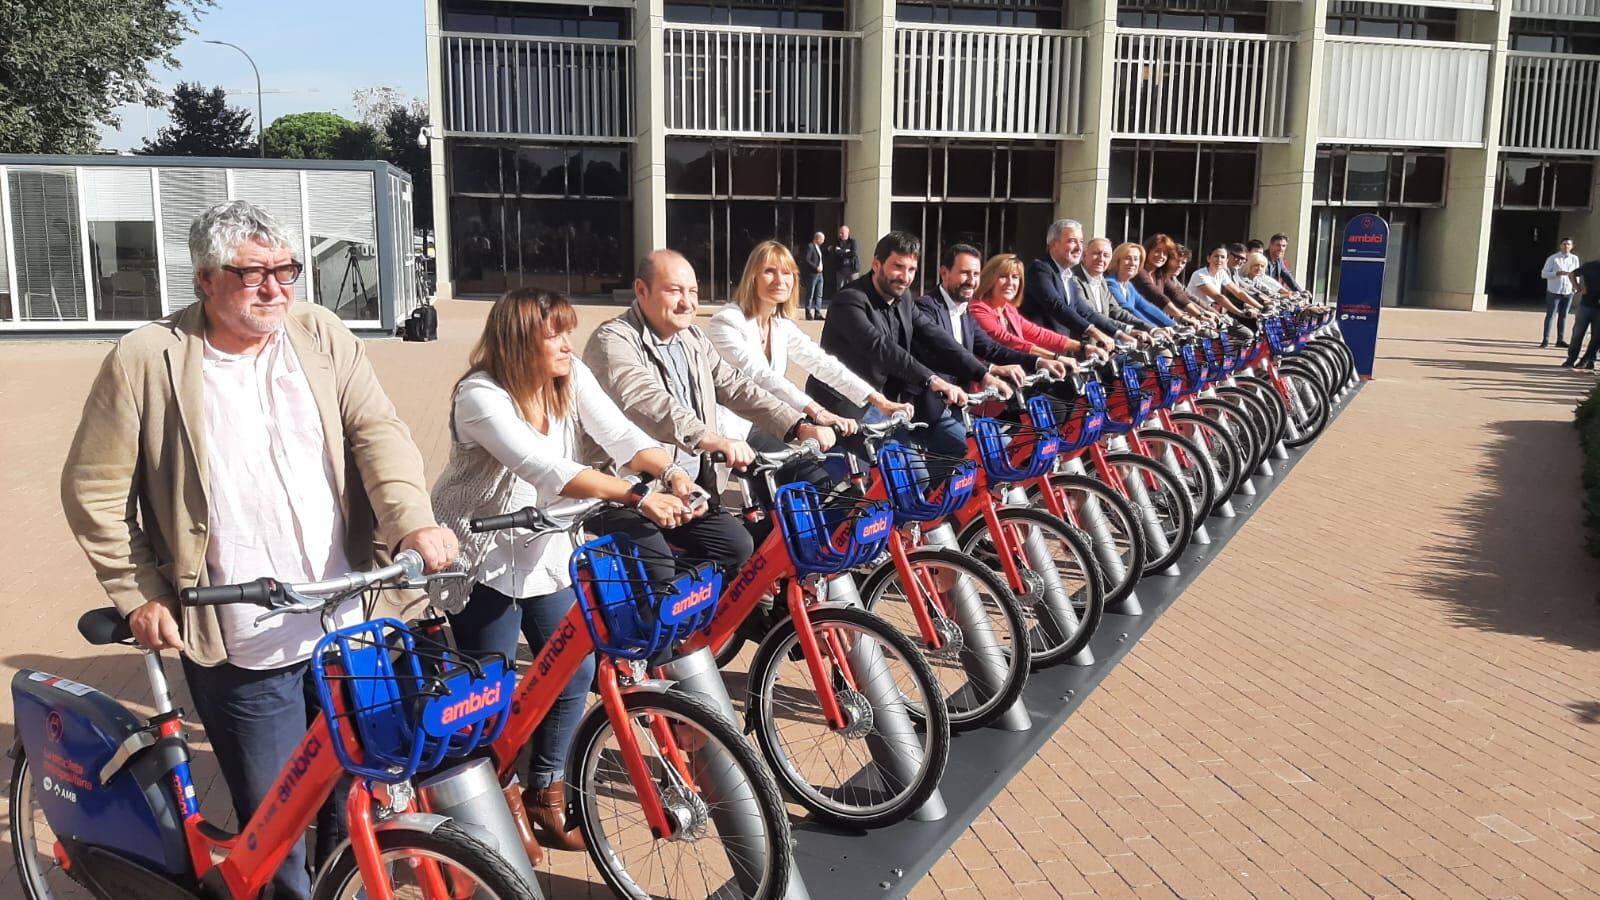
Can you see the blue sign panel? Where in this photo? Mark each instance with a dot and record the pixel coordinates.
(1362, 254)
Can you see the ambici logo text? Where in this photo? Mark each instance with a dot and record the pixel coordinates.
(480, 699)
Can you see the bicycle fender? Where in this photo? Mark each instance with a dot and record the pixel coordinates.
(427, 823)
(650, 686)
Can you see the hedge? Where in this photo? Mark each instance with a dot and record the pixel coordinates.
(1588, 422)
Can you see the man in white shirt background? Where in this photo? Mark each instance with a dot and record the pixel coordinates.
(1558, 289)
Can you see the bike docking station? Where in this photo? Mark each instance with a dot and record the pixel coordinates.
(888, 862)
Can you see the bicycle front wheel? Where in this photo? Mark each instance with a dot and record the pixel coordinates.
(979, 653)
(886, 757)
(418, 863)
(731, 836)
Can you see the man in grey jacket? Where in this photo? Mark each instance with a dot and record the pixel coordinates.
(666, 376)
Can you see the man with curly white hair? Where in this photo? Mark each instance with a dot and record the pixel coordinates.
(243, 436)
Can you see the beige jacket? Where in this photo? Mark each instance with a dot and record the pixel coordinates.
(134, 484)
(630, 368)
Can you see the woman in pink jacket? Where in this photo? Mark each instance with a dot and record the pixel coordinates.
(994, 308)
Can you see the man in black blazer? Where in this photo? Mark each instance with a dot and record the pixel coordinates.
(875, 329)
(946, 305)
(845, 257)
(1054, 297)
(811, 276)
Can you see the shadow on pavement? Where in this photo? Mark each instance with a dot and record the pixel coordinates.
(1514, 562)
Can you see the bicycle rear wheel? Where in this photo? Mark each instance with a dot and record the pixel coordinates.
(1307, 408)
(468, 867)
(982, 659)
(1160, 502)
(32, 840)
(732, 837)
(889, 755)
(1192, 468)
(1108, 524)
(1218, 443)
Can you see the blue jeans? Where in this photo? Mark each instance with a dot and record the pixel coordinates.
(814, 295)
(1555, 307)
(946, 437)
(490, 624)
(255, 720)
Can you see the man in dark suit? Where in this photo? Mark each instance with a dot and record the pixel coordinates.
(845, 257)
(811, 276)
(874, 328)
(1055, 298)
(946, 305)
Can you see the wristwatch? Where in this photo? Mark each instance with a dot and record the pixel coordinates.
(637, 493)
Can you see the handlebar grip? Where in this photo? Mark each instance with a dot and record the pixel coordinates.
(718, 457)
(522, 518)
(260, 592)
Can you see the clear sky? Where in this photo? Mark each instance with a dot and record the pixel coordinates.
(312, 55)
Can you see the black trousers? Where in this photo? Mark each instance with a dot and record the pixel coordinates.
(715, 537)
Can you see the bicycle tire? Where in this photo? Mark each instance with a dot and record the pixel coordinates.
(1239, 427)
(1196, 476)
(1165, 509)
(588, 746)
(33, 871)
(1308, 408)
(447, 843)
(1052, 645)
(1266, 434)
(1115, 507)
(927, 708)
(1223, 447)
(1325, 362)
(1271, 402)
(1003, 614)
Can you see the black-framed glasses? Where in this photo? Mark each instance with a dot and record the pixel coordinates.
(1237, 259)
(253, 276)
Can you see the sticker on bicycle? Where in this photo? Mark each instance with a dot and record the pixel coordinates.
(873, 527)
(683, 606)
(62, 684)
(964, 483)
(468, 701)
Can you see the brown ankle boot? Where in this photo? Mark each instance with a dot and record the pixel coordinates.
(547, 810)
(519, 815)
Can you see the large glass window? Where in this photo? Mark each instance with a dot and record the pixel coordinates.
(47, 237)
(541, 19)
(1555, 36)
(826, 15)
(1544, 183)
(122, 243)
(1392, 20)
(1149, 172)
(759, 169)
(1379, 177)
(1233, 16)
(560, 219)
(1006, 13)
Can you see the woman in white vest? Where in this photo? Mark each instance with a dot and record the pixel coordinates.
(516, 421)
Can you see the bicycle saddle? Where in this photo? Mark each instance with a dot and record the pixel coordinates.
(104, 626)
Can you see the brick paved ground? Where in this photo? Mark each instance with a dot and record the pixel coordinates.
(1385, 685)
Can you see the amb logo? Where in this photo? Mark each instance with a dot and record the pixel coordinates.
(965, 482)
(875, 528)
(298, 768)
(487, 696)
(557, 645)
(692, 600)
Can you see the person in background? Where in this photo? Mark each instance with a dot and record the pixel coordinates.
(949, 305)
(1557, 275)
(1057, 298)
(1586, 282)
(516, 420)
(1158, 278)
(1092, 271)
(811, 276)
(1277, 265)
(1254, 275)
(1184, 258)
(846, 259)
(1236, 254)
(244, 436)
(1213, 284)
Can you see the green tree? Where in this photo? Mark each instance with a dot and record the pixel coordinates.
(401, 127)
(68, 64)
(203, 124)
(321, 135)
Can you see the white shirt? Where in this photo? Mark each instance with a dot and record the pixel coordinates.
(956, 310)
(1204, 276)
(273, 508)
(543, 462)
(1556, 272)
(738, 339)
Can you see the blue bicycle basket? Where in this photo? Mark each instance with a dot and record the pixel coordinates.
(827, 536)
(1169, 378)
(996, 452)
(629, 617)
(907, 484)
(407, 704)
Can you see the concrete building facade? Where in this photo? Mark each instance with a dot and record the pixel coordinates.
(572, 136)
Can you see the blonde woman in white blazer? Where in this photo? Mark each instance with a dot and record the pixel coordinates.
(756, 333)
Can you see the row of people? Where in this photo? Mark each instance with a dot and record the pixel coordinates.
(247, 435)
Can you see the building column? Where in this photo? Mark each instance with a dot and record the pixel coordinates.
(1284, 193)
(650, 128)
(438, 183)
(1453, 257)
(869, 159)
(1083, 186)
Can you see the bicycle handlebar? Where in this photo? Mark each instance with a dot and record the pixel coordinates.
(406, 570)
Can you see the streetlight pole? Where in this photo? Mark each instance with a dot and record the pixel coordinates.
(261, 145)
